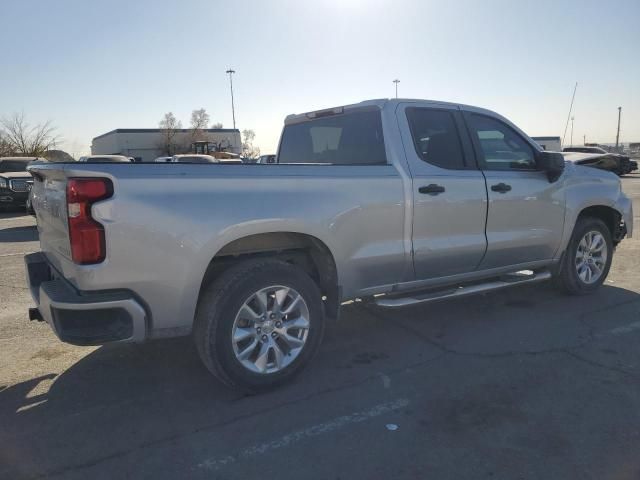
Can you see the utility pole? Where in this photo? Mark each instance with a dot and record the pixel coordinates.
(584, 140)
(233, 110)
(572, 131)
(569, 116)
(396, 81)
(618, 133)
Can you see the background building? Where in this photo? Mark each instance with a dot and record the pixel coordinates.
(552, 144)
(145, 144)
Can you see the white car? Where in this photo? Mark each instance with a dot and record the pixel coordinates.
(266, 159)
(194, 158)
(106, 159)
(199, 158)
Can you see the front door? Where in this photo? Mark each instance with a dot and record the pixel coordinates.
(449, 193)
(526, 212)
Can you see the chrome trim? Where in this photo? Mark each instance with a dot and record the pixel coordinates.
(14, 180)
(460, 291)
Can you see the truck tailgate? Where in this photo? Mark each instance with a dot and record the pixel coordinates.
(49, 202)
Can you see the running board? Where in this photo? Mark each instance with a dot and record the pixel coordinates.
(460, 291)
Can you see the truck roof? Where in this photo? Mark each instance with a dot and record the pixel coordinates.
(376, 103)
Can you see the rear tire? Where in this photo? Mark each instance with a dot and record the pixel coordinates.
(253, 350)
(587, 260)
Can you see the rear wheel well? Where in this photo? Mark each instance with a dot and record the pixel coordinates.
(304, 251)
(609, 216)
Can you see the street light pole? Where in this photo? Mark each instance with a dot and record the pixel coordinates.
(233, 110)
(572, 131)
(618, 132)
(396, 81)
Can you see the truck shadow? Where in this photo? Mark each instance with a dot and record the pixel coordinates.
(19, 234)
(14, 213)
(120, 398)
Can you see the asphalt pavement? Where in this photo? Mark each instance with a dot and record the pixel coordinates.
(518, 384)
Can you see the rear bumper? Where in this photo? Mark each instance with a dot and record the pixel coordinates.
(83, 318)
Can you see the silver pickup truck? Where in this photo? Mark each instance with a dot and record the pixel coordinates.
(395, 202)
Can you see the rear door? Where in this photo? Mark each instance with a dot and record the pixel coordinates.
(526, 212)
(449, 192)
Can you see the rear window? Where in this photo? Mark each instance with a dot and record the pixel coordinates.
(347, 139)
(13, 166)
(435, 137)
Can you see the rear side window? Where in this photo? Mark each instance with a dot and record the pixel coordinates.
(502, 148)
(435, 137)
(347, 139)
(11, 166)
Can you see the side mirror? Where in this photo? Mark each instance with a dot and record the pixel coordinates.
(552, 163)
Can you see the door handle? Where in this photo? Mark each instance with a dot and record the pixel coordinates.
(501, 188)
(432, 189)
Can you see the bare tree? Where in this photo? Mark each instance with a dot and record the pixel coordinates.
(217, 125)
(169, 127)
(5, 148)
(199, 123)
(248, 150)
(24, 139)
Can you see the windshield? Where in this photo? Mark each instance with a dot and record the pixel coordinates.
(13, 166)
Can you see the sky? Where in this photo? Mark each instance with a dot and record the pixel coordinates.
(93, 66)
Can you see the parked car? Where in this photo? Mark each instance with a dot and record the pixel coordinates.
(200, 158)
(14, 182)
(395, 202)
(163, 159)
(106, 159)
(193, 158)
(266, 159)
(613, 162)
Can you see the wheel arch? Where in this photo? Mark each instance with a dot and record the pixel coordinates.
(304, 250)
(609, 215)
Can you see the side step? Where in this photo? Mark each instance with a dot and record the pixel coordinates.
(504, 281)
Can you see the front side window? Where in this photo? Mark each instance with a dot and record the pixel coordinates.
(502, 148)
(346, 139)
(435, 137)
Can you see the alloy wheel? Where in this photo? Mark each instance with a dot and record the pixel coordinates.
(270, 329)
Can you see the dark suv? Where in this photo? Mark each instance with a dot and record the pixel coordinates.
(15, 182)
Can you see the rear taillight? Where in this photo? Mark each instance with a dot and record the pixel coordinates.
(85, 234)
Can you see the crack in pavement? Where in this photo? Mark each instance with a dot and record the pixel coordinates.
(14, 254)
(566, 350)
(13, 286)
(444, 349)
(211, 427)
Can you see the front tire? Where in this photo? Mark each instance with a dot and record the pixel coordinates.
(259, 324)
(587, 260)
